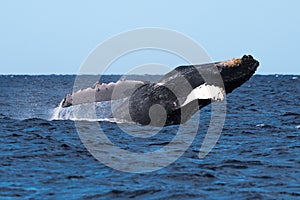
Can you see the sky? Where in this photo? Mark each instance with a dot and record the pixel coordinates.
(55, 37)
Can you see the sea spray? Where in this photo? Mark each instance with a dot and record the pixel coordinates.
(98, 111)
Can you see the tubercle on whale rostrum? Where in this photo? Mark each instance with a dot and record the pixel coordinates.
(231, 63)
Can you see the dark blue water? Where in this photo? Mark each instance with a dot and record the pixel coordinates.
(256, 157)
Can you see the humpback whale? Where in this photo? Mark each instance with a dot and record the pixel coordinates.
(175, 97)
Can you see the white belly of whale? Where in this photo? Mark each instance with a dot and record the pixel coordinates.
(205, 91)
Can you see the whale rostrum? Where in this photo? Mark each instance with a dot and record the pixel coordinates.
(175, 97)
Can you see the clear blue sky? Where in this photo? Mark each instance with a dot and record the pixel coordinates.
(46, 37)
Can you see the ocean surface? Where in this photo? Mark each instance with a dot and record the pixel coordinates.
(256, 157)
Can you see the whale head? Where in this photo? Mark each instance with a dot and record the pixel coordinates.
(237, 71)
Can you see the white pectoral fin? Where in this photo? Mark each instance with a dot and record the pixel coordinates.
(205, 91)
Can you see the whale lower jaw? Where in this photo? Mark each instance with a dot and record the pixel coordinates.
(172, 99)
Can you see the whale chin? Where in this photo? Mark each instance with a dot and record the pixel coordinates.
(175, 97)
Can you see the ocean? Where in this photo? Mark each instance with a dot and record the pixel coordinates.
(256, 157)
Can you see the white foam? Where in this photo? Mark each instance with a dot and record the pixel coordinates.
(260, 125)
(56, 111)
(92, 112)
(205, 91)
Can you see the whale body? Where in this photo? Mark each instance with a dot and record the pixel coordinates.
(175, 97)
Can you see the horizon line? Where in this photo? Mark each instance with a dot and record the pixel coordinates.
(113, 74)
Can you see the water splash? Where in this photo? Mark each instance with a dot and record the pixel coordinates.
(98, 111)
(56, 112)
